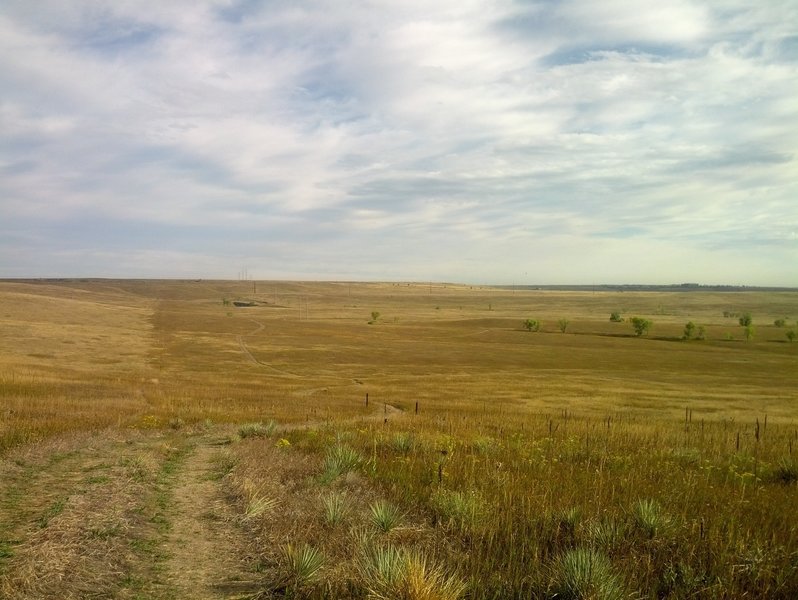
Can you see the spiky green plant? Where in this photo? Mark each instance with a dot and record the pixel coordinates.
(461, 510)
(585, 574)
(340, 460)
(335, 507)
(259, 506)
(301, 565)
(786, 471)
(569, 519)
(649, 517)
(403, 442)
(392, 574)
(606, 534)
(385, 516)
(257, 429)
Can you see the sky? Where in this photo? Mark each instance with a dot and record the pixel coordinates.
(526, 142)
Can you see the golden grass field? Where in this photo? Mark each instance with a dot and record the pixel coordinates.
(589, 463)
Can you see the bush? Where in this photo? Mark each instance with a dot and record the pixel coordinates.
(780, 322)
(532, 325)
(641, 325)
(746, 320)
(791, 335)
(689, 331)
(615, 317)
(563, 324)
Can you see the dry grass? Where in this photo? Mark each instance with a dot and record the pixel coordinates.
(526, 445)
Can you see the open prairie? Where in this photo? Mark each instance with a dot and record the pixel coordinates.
(209, 439)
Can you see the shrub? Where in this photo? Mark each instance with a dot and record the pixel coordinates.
(641, 325)
(585, 574)
(532, 325)
(615, 317)
(745, 319)
(791, 335)
(780, 322)
(563, 324)
(749, 332)
(689, 330)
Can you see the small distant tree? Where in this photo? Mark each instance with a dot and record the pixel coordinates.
(749, 332)
(615, 317)
(701, 334)
(641, 325)
(532, 325)
(563, 324)
(689, 330)
(791, 335)
(746, 320)
(780, 322)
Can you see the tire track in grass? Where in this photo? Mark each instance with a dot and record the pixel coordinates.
(205, 546)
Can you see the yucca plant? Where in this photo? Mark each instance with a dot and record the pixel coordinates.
(257, 429)
(462, 510)
(338, 461)
(649, 517)
(606, 534)
(403, 442)
(393, 574)
(569, 519)
(585, 574)
(786, 471)
(335, 507)
(385, 516)
(258, 506)
(301, 565)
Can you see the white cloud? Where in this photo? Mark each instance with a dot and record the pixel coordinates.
(445, 138)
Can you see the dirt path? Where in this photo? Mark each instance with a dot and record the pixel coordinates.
(205, 547)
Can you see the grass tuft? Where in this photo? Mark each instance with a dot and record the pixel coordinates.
(392, 574)
(257, 429)
(301, 565)
(385, 516)
(585, 574)
(336, 507)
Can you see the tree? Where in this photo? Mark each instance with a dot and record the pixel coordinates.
(780, 322)
(791, 335)
(532, 325)
(749, 332)
(746, 320)
(563, 324)
(701, 334)
(689, 331)
(641, 325)
(615, 317)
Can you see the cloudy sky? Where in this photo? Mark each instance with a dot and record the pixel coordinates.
(480, 141)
